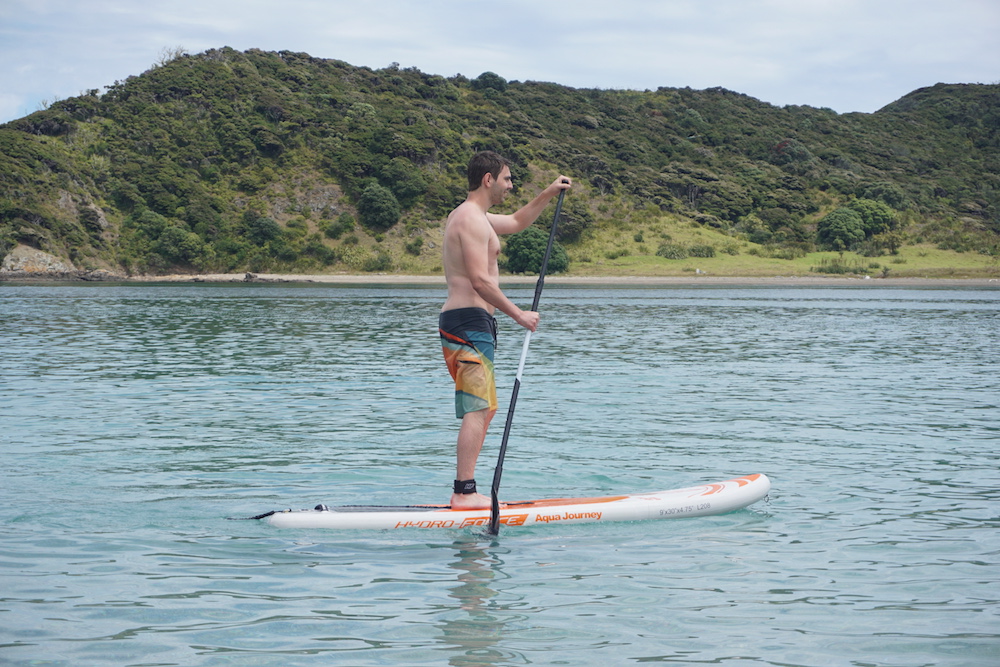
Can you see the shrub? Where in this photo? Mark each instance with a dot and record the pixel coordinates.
(297, 227)
(838, 266)
(672, 251)
(325, 255)
(179, 246)
(259, 229)
(840, 230)
(378, 208)
(887, 193)
(343, 224)
(379, 262)
(786, 252)
(701, 251)
(526, 249)
(413, 247)
(576, 218)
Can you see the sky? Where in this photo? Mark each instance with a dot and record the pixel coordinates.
(846, 55)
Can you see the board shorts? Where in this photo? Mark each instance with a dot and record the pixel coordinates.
(469, 340)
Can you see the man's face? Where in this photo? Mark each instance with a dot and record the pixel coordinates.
(501, 186)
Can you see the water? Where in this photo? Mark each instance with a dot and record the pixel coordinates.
(134, 419)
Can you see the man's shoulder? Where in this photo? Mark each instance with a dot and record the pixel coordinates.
(467, 214)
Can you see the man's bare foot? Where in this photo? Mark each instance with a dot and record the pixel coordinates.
(470, 501)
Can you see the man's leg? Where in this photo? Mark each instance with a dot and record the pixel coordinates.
(471, 436)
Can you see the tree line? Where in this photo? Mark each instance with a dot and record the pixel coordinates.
(256, 160)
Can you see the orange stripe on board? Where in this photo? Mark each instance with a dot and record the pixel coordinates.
(549, 502)
(528, 504)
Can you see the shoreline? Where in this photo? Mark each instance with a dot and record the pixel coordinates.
(398, 279)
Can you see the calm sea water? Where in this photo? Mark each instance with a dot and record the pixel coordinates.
(135, 419)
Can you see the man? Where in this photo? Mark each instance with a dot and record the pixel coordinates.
(467, 325)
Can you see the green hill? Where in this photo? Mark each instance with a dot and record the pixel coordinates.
(280, 162)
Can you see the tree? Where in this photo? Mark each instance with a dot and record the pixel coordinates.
(878, 217)
(576, 217)
(378, 208)
(890, 241)
(489, 80)
(525, 251)
(260, 229)
(150, 223)
(179, 246)
(840, 230)
(405, 180)
(168, 54)
(887, 193)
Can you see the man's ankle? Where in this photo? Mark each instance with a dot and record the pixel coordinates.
(465, 486)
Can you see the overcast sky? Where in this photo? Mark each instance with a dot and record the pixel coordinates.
(848, 55)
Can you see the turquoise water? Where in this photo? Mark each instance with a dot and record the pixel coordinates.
(135, 419)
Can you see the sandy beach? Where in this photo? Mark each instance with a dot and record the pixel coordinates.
(102, 276)
(396, 279)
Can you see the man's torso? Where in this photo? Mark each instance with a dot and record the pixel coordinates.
(461, 293)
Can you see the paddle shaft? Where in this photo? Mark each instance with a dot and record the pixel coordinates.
(495, 489)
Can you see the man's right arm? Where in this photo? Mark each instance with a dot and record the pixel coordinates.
(475, 239)
(521, 219)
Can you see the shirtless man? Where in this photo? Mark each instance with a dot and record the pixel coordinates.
(467, 325)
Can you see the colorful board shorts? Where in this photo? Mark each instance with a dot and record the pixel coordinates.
(468, 340)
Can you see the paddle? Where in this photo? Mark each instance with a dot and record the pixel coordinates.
(495, 489)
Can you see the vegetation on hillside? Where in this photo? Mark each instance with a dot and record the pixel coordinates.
(258, 161)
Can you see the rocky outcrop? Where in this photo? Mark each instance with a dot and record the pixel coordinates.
(25, 259)
(25, 262)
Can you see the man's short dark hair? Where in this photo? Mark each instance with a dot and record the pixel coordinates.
(485, 162)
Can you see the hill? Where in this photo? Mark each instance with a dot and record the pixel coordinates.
(280, 162)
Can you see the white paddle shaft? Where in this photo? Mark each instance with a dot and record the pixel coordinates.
(524, 354)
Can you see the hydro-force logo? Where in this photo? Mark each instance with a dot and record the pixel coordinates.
(510, 520)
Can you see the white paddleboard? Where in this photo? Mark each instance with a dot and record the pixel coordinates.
(703, 500)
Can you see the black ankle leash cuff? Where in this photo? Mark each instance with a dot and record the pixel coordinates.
(465, 486)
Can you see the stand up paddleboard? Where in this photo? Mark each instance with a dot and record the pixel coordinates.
(704, 500)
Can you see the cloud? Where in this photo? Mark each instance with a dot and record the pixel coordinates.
(849, 55)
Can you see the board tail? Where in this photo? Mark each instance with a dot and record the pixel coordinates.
(251, 518)
(319, 508)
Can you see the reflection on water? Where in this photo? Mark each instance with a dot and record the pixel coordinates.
(478, 630)
(133, 419)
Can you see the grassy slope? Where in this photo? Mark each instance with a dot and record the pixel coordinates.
(590, 256)
(912, 262)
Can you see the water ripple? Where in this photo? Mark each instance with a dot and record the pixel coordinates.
(134, 419)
